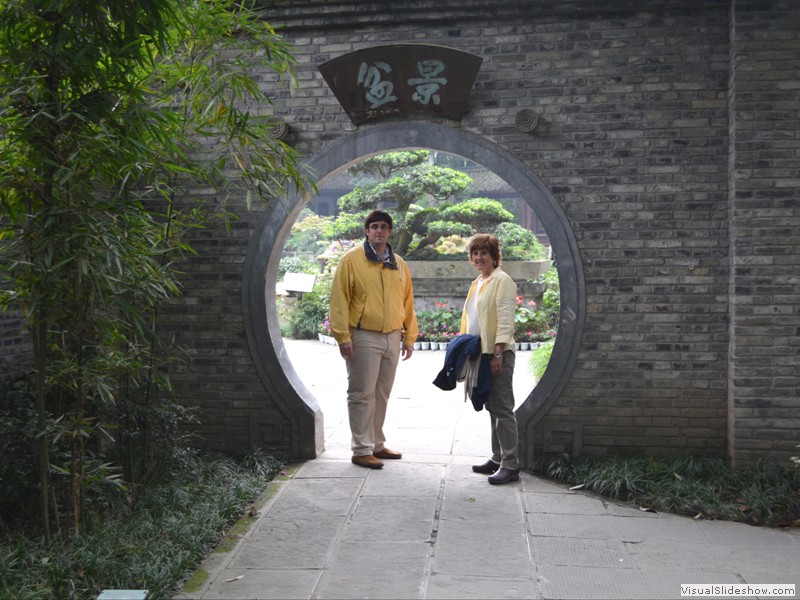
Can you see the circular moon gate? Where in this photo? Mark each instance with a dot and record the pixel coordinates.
(261, 268)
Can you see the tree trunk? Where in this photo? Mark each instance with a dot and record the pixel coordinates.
(40, 364)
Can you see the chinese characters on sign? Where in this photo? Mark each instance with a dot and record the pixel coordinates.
(428, 84)
(376, 91)
(379, 91)
(389, 80)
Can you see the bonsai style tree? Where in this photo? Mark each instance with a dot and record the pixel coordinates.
(427, 204)
(403, 184)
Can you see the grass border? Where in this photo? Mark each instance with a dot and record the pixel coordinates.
(212, 564)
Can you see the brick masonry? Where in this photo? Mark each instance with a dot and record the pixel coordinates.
(764, 235)
(669, 136)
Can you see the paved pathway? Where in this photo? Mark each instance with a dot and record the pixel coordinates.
(427, 527)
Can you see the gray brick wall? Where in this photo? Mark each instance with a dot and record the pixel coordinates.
(634, 144)
(668, 132)
(218, 374)
(764, 377)
(633, 140)
(16, 350)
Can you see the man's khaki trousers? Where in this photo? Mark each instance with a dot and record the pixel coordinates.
(370, 375)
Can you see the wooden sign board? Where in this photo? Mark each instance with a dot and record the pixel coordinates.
(399, 78)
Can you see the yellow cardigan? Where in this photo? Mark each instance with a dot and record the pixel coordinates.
(365, 294)
(497, 304)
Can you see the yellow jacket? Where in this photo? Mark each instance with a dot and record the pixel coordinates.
(497, 304)
(368, 295)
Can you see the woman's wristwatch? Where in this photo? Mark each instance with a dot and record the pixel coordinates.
(498, 355)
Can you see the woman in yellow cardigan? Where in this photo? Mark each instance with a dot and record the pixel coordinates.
(489, 313)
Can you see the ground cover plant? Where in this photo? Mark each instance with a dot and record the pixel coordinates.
(761, 493)
(151, 540)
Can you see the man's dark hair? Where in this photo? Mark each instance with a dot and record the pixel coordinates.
(378, 216)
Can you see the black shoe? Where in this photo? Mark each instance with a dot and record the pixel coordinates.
(486, 468)
(504, 475)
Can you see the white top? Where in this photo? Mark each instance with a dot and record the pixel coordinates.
(473, 320)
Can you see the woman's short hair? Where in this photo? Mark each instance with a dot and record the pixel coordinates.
(488, 242)
(378, 216)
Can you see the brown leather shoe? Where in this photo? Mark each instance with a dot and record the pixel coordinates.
(388, 454)
(367, 461)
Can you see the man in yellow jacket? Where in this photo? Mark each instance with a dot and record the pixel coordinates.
(373, 320)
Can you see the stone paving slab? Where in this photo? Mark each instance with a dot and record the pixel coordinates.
(601, 583)
(542, 486)
(481, 529)
(711, 557)
(445, 586)
(566, 504)
(464, 548)
(264, 584)
(579, 552)
(428, 527)
(400, 519)
(328, 469)
(408, 479)
(376, 569)
(293, 544)
(741, 534)
(320, 497)
(614, 528)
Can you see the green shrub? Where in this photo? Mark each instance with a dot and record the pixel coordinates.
(519, 243)
(307, 232)
(301, 318)
(297, 263)
(760, 493)
(539, 359)
(551, 297)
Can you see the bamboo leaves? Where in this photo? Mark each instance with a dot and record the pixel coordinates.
(109, 111)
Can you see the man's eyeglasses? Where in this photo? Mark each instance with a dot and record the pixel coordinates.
(378, 226)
